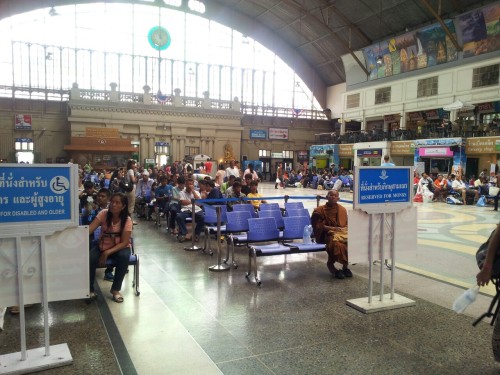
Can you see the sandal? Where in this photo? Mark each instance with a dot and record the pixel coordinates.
(118, 298)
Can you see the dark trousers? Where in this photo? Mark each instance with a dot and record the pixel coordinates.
(174, 209)
(199, 217)
(121, 259)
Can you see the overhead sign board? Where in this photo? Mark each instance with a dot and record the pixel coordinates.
(258, 134)
(369, 153)
(278, 133)
(37, 199)
(383, 189)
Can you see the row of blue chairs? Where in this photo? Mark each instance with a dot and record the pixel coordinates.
(242, 227)
(267, 210)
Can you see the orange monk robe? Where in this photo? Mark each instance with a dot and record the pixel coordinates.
(331, 216)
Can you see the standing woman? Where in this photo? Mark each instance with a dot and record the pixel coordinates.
(219, 176)
(114, 242)
(130, 178)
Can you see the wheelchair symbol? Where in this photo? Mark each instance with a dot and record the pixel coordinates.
(59, 185)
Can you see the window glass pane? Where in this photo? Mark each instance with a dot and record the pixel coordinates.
(108, 42)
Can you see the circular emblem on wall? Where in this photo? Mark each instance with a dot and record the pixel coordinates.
(101, 141)
(159, 38)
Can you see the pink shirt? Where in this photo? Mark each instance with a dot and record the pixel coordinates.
(108, 241)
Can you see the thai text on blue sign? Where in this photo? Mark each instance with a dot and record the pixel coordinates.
(30, 194)
(384, 185)
(258, 134)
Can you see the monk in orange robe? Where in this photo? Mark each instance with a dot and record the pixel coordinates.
(329, 223)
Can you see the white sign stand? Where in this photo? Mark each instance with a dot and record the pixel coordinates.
(382, 301)
(33, 360)
(381, 212)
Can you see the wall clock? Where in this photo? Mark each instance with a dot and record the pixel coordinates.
(159, 38)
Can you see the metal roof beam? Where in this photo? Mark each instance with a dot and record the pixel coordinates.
(443, 25)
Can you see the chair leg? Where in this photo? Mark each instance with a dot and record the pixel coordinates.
(136, 277)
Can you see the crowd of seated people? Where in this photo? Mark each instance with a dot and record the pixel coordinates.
(468, 192)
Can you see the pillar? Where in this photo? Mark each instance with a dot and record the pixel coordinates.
(143, 148)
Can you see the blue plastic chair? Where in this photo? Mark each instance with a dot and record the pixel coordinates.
(236, 228)
(211, 224)
(293, 205)
(294, 229)
(245, 207)
(269, 206)
(298, 212)
(276, 214)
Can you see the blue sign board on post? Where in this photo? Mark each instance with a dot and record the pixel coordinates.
(382, 187)
(31, 194)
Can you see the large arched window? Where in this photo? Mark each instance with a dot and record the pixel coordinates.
(95, 44)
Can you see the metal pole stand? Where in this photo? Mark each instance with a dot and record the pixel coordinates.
(193, 246)
(220, 266)
(383, 301)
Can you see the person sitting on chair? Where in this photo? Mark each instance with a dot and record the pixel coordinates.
(186, 196)
(114, 242)
(458, 185)
(255, 194)
(329, 224)
(143, 194)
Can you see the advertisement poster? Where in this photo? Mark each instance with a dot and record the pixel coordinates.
(23, 122)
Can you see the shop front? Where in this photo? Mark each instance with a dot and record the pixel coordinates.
(346, 156)
(481, 154)
(489, 114)
(370, 157)
(322, 156)
(428, 123)
(441, 156)
(403, 153)
(101, 153)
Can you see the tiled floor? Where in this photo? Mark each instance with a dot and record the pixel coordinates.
(189, 320)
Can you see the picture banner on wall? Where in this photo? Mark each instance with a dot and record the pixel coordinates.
(23, 122)
(419, 49)
(480, 30)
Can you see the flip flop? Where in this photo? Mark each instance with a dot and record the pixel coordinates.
(118, 298)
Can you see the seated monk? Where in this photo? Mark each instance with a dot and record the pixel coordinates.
(329, 223)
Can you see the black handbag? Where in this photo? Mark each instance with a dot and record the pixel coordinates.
(126, 186)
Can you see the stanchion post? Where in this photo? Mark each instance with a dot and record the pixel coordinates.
(318, 198)
(193, 247)
(287, 197)
(219, 267)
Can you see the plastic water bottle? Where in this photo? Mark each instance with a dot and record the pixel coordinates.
(306, 235)
(465, 299)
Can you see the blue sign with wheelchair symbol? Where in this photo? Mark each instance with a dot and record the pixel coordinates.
(35, 193)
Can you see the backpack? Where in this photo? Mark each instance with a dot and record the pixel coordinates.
(481, 257)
